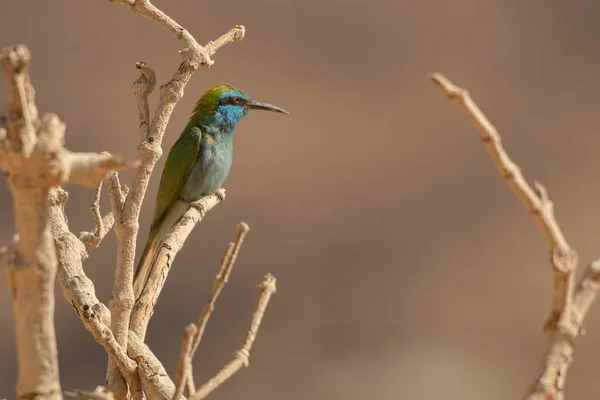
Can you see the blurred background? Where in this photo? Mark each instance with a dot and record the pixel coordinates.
(406, 267)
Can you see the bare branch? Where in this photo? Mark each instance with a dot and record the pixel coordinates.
(154, 377)
(184, 367)
(34, 160)
(100, 393)
(79, 290)
(241, 358)
(569, 307)
(193, 333)
(149, 151)
(89, 169)
(170, 246)
(586, 292)
(93, 239)
(563, 257)
(116, 193)
(231, 253)
(103, 224)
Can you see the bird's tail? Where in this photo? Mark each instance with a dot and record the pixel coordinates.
(144, 267)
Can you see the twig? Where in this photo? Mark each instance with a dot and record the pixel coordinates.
(116, 194)
(231, 254)
(193, 333)
(241, 358)
(568, 308)
(103, 224)
(586, 292)
(34, 159)
(149, 151)
(100, 393)
(184, 366)
(170, 246)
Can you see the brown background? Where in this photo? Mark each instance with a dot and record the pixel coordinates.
(406, 268)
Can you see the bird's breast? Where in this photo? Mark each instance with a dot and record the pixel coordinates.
(209, 171)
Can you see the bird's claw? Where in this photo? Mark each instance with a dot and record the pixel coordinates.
(220, 195)
(198, 206)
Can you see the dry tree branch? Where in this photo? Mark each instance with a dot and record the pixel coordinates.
(154, 377)
(184, 366)
(34, 160)
(103, 224)
(193, 333)
(241, 358)
(229, 259)
(79, 290)
(149, 151)
(100, 393)
(569, 306)
(172, 243)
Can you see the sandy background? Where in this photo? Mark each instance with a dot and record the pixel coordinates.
(406, 268)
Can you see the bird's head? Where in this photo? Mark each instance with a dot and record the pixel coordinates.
(227, 105)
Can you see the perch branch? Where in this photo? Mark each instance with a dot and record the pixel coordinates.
(34, 160)
(148, 153)
(170, 246)
(569, 307)
(241, 358)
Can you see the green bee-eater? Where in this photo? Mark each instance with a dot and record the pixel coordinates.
(197, 165)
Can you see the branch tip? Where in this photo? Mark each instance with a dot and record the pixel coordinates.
(244, 228)
(15, 59)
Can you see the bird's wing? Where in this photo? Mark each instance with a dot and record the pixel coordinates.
(177, 168)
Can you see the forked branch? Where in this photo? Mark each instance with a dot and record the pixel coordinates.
(151, 134)
(33, 156)
(193, 333)
(569, 306)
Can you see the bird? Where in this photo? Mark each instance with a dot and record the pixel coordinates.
(197, 164)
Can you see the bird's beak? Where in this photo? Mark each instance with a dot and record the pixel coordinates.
(256, 105)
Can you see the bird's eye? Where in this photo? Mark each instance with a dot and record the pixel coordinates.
(236, 99)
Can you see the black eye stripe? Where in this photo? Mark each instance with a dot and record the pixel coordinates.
(231, 101)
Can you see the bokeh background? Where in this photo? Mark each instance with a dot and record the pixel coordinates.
(406, 268)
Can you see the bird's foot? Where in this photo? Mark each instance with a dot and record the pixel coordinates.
(220, 195)
(198, 206)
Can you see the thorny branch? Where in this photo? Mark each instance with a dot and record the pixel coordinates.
(570, 306)
(149, 151)
(173, 242)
